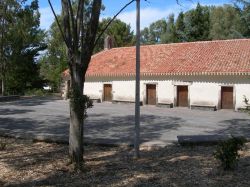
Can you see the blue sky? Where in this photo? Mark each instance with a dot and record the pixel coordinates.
(150, 11)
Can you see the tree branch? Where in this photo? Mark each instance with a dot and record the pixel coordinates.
(67, 29)
(74, 26)
(115, 16)
(92, 27)
(58, 23)
(79, 16)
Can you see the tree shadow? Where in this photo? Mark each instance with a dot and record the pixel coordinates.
(108, 166)
(32, 101)
(55, 129)
(236, 127)
(98, 128)
(4, 112)
(120, 129)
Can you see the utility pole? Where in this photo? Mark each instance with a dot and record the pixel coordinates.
(137, 89)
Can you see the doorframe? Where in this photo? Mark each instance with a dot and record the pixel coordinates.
(145, 92)
(234, 96)
(176, 95)
(182, 83)
(105, 83)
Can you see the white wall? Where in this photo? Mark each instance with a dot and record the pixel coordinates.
(240, 90)
(93, 89)
(123, 90)
(203, 90)
(204, 93)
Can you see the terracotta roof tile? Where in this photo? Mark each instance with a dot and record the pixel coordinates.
(221, 56)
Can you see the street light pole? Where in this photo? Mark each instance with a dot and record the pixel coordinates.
(137, 89)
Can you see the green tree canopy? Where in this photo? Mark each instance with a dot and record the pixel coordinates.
(170, 36)
(226, 23)
(201, 23)
(154, 32)
(197, 23)
(54, 61)
(21, 45)
(120, 31)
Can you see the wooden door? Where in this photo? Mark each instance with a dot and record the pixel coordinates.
(107, 96)
(182, 96)
(227, 98)
(151, 94)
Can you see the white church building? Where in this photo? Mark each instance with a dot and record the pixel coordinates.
(209, 75)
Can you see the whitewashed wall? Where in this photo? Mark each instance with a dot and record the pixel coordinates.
(93, 89)
(123, 90)
(240, 90)
(203, 90)
(204, 93)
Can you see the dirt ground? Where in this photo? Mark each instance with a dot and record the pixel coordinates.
(25, 163)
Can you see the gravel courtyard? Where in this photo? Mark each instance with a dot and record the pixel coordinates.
(114, 123)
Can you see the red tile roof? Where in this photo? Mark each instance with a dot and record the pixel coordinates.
(207, 57)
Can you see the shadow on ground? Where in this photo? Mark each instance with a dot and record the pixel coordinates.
(238, 127)
(29, 128)
(4, 112)
(113, 130)
(32, 101)
(107, 166)
(121, 128)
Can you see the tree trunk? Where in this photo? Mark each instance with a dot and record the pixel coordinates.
(2, 86)
(2, 80)
(76, 117)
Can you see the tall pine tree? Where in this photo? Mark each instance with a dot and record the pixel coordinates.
(198, 23)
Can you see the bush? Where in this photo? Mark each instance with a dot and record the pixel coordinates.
(228, 152)
(36, 92)
(245, 100)
(2, 146)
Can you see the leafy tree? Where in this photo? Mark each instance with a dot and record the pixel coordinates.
(79, 33)
(156, 30)
(8, 11)
(180, 28)
(145, 36)
(170, 36)
(243, 6)
(202, 23)
(153, 34)
(226, 23)
(23, 41)
(120, 31)
(54, 61)
(197, 23)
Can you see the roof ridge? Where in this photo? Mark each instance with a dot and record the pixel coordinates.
(99, 53)
(184, 43)
(169, 44)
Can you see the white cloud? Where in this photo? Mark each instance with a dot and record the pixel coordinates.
(148, 15)
(47, 17)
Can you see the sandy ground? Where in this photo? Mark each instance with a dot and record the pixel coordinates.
(26, 163)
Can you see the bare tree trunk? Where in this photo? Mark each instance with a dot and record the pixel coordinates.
(2, 73)
(2, 57)
(76, 117)
(79, 35)
(2, 86)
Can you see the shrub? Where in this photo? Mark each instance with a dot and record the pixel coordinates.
(37, 92)
(228, 152)
(245, 100)
(2, 146)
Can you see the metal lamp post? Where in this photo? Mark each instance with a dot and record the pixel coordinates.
(137, 90)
